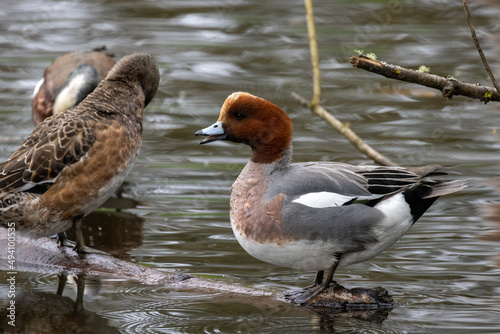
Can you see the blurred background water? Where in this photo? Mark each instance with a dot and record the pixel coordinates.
(174, 206)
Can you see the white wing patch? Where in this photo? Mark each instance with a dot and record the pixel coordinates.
(323, 199)
(37, 87)
(66, 99)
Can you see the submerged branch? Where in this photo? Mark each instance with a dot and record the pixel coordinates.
(45, 256)
(448, 86)
(347, 132)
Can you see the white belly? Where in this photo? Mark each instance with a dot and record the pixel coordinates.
(321, 255)
(304, 255)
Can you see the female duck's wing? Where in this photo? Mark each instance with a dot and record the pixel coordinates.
(54, 145)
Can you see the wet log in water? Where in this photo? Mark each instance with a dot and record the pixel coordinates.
(45, 256)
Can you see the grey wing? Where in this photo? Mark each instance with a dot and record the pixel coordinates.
(333, 182)
(335, 202)
(353, 181)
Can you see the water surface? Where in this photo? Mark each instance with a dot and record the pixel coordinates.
(444, 273)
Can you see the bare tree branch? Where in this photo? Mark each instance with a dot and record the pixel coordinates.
(314, 104)
(478, 46)
(448, 86)
(313, 47)
(347, 132)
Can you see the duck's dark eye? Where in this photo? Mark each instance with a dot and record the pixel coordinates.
(239, 116)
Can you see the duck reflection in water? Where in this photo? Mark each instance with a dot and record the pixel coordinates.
(113, 230)
(46, 312)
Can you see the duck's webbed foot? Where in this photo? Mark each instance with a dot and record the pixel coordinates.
(302, 296)
(63, 241)
(79, 245)
(88, 250)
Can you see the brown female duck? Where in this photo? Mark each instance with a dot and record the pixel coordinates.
(68, 80)
(72, 162)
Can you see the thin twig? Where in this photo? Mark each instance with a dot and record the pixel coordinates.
(313, 47)
(479, 49)
(314, 104)
(448, 86)
(347, 132)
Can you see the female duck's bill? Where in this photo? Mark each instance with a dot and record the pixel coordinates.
(315, 215)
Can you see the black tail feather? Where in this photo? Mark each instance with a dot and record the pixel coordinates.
(422, 195)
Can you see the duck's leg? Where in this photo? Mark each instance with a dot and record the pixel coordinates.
(80, 288)
(62, 240)
(79, 245)
(317, 280)
(320, 284)
(80, 241)
(319, 277)
(63, 278)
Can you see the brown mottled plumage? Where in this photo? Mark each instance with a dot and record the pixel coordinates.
(58, 75)
(72, 162)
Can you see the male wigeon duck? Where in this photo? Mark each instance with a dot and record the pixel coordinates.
(68, 80)
(74, 161)
(314, 215)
